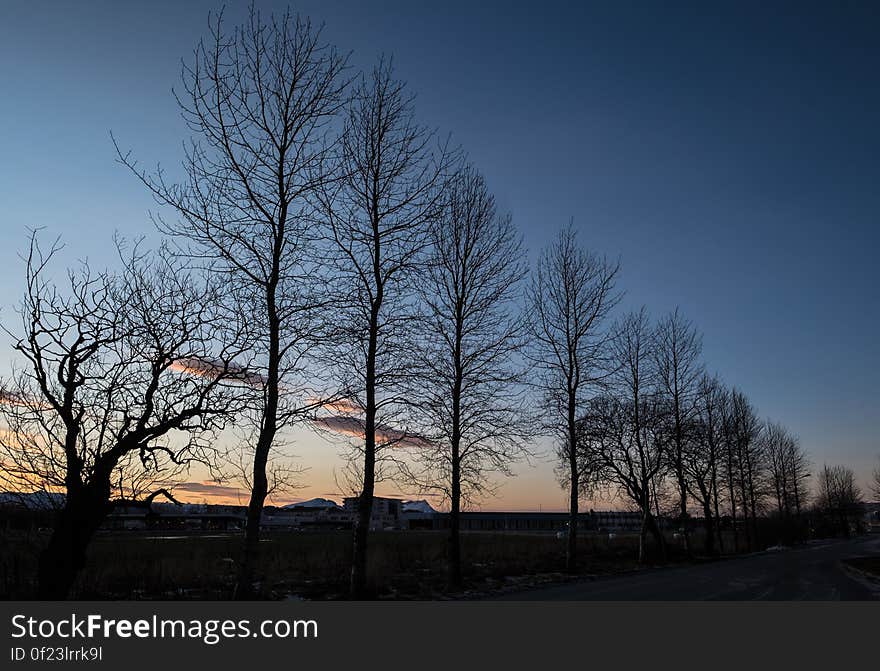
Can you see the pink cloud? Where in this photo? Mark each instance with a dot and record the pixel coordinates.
(202, 367)
(354, 427)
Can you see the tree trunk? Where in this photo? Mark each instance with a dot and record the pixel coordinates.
(643, 535)
(683, 515)
(574, 480)
(358, 584)
(682, 481)
(244, 588)
(732, 492)
(753, 505)
(361, 536)
(454, 525)
(454, 577)
(365, 511)
(62, 560)
(717, 510)
(571, 551)
(654, 528)
(745, 504)
(650, 525)
(709, 522)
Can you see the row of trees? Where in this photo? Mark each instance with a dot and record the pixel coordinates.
(334, 263)
(673, 440)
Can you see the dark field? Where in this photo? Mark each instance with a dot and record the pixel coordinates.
(311, 565)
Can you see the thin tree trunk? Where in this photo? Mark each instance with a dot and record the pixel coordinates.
(745, 505)
(717, 511)
(654, 528)
(680, 476)
(259, 489)
(732, 491)
(260, 486)
(752, 502)
(643, 532)
(709, 523)
(454, 578)
(365, 503)
(571, 551)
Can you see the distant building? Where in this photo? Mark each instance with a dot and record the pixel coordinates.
(319, 513)
(171, 517)
(385, 514)
(314, 513)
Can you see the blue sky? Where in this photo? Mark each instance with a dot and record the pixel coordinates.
(726, 152)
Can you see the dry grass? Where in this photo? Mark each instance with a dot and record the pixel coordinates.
(307, 564)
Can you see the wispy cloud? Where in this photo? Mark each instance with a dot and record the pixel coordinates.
(210, 492)
(354, 426)
(203, 367)
(338, 405)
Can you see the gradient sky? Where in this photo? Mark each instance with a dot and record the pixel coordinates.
(729, 153)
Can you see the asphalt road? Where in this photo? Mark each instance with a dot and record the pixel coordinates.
(811, 572)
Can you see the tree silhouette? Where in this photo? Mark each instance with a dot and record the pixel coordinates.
(469, 381)
(571, 293)
(259, 102)
(107, 393)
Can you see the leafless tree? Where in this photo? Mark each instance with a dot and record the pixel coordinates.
(388, 191)
(470, 379)
(875, 484)
(703, 452)
(788, 465)
(259, 101)
(622, 434)
(745, 463)
(571, 294)
(839, 497)
(677, 352)
(730, 465)
(106, 393)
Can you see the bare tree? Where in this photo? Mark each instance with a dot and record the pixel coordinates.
(571, 293)
(798, 466)
(678, 350)
(703, 453)
(730, 465)
(622, 435)
(788, 465)
(388, 191)
(106, 392)
(875, 483)
(839, 497)
(746, 465)
(469, 379)
(259, 101)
